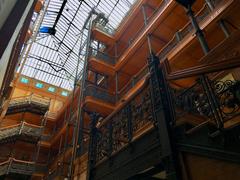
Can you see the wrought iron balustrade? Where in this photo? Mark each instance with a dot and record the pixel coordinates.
(13, 165)
(33, 103)
(21, 129)
(29, 99)
(99, 93)
(101, 56)
(196, 100)
(124, 125)
(228, 95)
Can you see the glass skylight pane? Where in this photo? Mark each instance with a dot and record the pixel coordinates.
(53, 58)
(64, 93)
(51, 89)
(39, 85)
(24, 80)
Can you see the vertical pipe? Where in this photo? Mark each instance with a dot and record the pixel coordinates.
(116, 81)
(199, 32)
(144, 16)
(145, 24)
(78, 130)
(178, 36)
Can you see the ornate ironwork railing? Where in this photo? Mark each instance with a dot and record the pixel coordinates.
(102, 56)
(228, 95)
(28, 100)
(13, 165)
(124, 125)
(22, 128)
(31, 103)
(99, 93)
(216, 103)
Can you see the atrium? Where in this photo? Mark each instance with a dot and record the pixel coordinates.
(119, 89)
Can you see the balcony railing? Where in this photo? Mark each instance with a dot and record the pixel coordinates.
(133, 81)
(124, 125)
(102, 56)
(105, 28)
(141, 29)
(187, 29)
(210, 100)
(180, 35)
(22, 128)
(13, 165)
(29, 99)
(99, 93)
(33, 103)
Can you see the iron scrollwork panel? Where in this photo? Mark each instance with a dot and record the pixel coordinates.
(228, 95)
(192, 100)
(102, 143)
(141, 111)
(120, 130)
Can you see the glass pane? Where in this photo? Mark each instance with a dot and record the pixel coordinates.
(51, 89)
(39, 85)
(24, 80)
(64, 93)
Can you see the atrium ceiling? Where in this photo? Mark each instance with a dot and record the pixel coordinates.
(55, 57)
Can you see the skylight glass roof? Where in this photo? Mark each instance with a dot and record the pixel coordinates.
(53, 58)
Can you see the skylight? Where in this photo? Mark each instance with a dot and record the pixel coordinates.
(53, 57)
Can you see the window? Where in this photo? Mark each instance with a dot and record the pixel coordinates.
(39, 85)
(64, 93)
(51, 89)
(24, 80)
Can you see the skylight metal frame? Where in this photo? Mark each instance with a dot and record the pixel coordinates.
(53, 58)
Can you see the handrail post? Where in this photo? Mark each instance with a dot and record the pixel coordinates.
(21, 127)
(9, 165)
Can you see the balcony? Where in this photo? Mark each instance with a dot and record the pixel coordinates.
(99, 99)
(136, 118)
(101, 62)
(134, 84)
(32, 103)
(217, 105)
(15, 166)
(23, 131)
(103, 33)
(180, 45)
